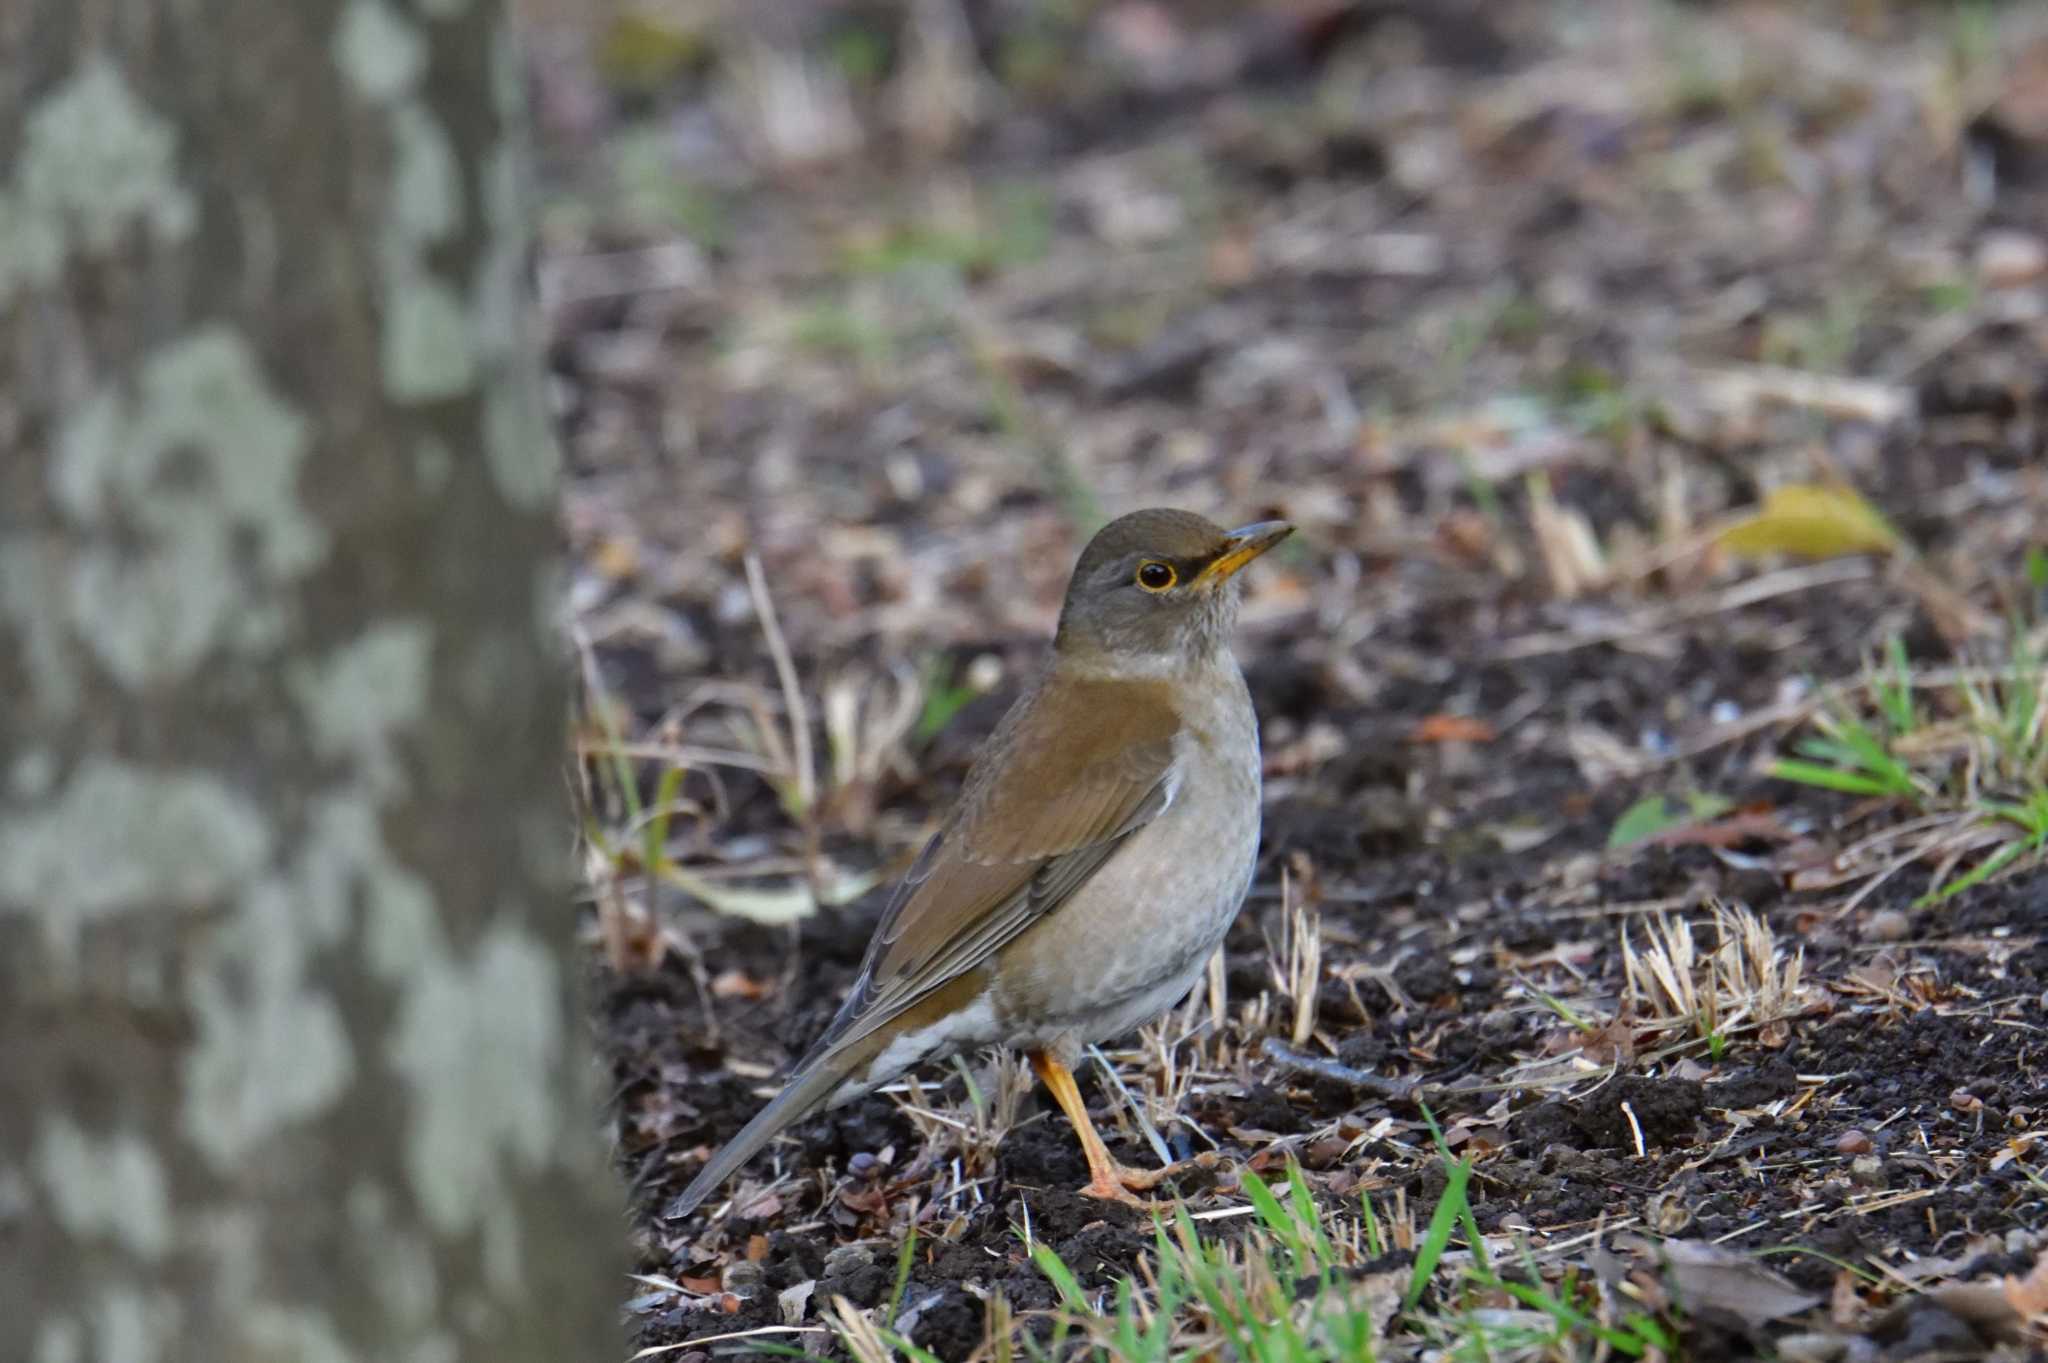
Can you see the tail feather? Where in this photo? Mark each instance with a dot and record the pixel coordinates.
(806, 1090)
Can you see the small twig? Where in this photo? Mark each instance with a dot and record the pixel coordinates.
(785, 673)
(653, 1350)
(1339, 1072)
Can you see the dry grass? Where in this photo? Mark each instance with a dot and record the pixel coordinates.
(1746, 981)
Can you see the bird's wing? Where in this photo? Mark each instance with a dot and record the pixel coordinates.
(1074, 769)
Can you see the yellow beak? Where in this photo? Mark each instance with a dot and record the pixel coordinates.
(1240, 547)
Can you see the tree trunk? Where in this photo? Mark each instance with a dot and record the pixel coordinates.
(291, 1066)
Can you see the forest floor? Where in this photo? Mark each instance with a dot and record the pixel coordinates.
(1528, 315)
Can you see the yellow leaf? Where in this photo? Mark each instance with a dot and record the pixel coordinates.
(1813, 522)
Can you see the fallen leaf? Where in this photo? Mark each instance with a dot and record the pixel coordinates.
(794, 1300)
(1657, 815)
(1708, 1277)
(2029, 1295)
(1986, 1307)
(1845, 1303)
(1452, 729)
(2015, 1149)
(1646, 818)
(1812, 521)
(1611, 1044)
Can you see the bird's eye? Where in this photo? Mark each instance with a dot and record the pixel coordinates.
(1155, 576)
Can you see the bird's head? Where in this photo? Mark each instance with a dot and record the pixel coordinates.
(1157, 590)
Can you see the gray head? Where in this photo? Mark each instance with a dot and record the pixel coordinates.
(1159, 587)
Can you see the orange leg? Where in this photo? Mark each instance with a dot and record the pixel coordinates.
(1106, 1178)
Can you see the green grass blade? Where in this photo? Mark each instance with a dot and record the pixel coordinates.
(655, 845)
(1060, 1276)
(1302, 1203)
(1375, 1239)
(1448, 1208)
(903, 1260)
(1977, 875)
(1830, 778)
(1570, 1317)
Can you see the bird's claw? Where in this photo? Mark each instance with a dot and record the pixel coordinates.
(1121, 1183)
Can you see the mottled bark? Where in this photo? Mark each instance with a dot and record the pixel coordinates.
(290, 1064)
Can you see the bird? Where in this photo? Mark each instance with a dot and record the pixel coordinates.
(1101, 845)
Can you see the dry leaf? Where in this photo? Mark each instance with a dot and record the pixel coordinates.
(1707, 1276)
(1812, 521)
(1983, 1306)
(1611, 1044)
(795, 1300)
(2015, 1149)
(1845, 1303)
(2029, 1295)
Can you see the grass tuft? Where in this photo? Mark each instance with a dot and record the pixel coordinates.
(1963, 750)
(1305, 1284)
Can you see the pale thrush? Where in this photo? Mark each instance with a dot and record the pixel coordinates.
(1100, 848)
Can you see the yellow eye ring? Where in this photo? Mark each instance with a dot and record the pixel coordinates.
(1155, 576)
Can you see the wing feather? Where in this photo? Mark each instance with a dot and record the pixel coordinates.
(1075, 768)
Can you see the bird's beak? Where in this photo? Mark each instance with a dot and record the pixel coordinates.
(1240, 547)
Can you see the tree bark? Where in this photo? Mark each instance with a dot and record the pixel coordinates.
(291, 1066)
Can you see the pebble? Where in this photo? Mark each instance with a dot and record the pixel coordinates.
(744, 1278)
(2007, 259)
(1813, 1347)
(847, 1259)
(1853, 1142)
(1867, 1170)
(1887, 925)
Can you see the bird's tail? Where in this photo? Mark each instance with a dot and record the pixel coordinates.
(809, 1087)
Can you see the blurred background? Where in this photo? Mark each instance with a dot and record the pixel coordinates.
(1498, 300)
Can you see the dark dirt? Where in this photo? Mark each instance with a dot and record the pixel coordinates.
(911, 512)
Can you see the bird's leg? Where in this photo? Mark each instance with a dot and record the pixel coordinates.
(1106, 1178)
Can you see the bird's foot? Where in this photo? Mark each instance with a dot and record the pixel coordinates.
(1121, 1183)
